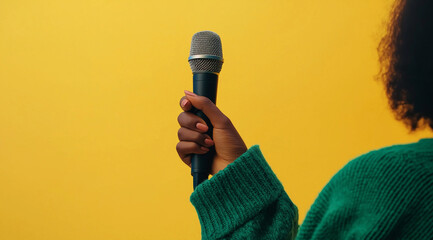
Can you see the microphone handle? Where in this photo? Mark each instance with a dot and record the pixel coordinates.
(204, 84)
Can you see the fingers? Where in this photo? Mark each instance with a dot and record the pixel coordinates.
(185, 149)
(185, 134)
(217, 118)
(185, 104)
(192, 142)
(191, 121)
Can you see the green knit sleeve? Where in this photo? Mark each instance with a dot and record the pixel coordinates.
(245, 201)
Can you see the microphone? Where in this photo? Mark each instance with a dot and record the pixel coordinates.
(205, 60)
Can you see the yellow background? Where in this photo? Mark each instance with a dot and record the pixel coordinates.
(89, 94)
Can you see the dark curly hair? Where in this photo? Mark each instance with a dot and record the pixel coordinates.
(406, 57)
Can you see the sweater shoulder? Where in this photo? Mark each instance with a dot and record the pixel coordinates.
(402, 160)
(381, 194)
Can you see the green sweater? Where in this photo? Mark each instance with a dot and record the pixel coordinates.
(384, 194)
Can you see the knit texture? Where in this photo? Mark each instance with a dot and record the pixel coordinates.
(384, 194)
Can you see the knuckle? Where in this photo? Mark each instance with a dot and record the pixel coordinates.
(179, 147)
(185, 120)
(226, 121)
(179, 117)
(206, 101)
(179, 133)
(185, 108)
(180, 101)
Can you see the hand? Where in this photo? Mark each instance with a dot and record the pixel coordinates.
(194, 140)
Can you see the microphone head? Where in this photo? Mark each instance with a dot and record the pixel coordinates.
(206, 53)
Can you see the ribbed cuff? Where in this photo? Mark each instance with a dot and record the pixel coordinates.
(236, 194)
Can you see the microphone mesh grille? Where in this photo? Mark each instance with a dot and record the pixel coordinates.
(208, 43)
(205, 65)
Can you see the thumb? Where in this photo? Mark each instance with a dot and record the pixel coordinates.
(204, 104)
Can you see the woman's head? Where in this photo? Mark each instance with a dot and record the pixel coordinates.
(406, 56)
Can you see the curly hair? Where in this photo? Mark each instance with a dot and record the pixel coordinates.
(406, 57)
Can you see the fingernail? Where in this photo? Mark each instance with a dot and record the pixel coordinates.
(201, 126)
(204, 149)
(208, 141)
(190, 93)
(184, 102)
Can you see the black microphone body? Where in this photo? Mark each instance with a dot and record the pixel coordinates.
(204, 84)
(205, 60)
